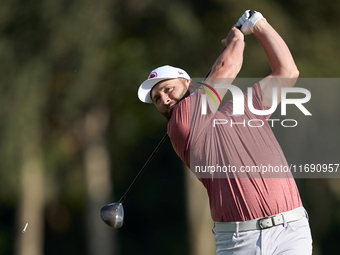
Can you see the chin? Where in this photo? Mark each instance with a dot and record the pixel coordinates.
(171, 108)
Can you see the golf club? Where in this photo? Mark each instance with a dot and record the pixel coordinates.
(113, 214)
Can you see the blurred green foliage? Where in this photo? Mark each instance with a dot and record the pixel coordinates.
(59, 59)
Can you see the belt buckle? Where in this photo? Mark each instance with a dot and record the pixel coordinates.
(266, 223)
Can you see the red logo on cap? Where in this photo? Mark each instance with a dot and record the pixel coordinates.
(153, 75)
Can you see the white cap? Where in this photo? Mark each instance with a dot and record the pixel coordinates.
(157, 75)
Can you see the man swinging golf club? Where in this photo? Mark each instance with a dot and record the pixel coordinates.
(253, 213)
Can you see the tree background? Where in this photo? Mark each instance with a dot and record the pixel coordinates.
(73, 133)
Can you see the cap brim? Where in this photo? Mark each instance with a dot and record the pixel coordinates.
(146, 87)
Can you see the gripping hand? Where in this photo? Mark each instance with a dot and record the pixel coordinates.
(248, 20)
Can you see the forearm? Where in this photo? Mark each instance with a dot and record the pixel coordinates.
(229, 63)
(227, 66)
(279, 56)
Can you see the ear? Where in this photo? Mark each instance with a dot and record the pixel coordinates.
(189, 83)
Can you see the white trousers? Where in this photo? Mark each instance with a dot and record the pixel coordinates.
(293, 238)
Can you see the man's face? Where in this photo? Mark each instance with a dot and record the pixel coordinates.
(166, 94)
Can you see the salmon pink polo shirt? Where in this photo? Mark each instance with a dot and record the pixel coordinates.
(242, 143)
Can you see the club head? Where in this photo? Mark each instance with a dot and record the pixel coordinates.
(113, 215)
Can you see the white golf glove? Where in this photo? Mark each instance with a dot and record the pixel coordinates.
(248, 20)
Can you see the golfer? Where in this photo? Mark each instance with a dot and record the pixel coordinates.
(253, 213)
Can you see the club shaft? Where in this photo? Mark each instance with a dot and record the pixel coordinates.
(121, 200)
